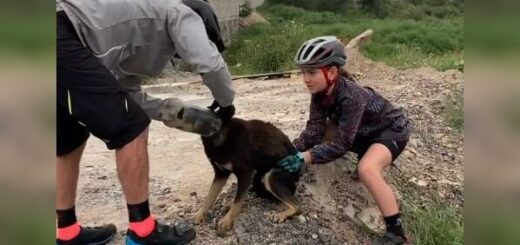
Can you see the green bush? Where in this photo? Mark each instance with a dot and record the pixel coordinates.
(282, 13)
(340, 6)
(400, 43)
(379, 8)
(433, 225)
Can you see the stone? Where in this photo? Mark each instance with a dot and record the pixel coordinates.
(371, 218)
(302, 219)
(422, 183)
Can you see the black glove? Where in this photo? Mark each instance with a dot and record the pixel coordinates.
(224, 113)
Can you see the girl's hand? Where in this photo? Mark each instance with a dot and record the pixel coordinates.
(292, 163)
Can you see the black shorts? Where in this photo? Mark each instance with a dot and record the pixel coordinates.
(394, 138)
(89, 98)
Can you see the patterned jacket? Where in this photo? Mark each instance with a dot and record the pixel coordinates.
(359, 112)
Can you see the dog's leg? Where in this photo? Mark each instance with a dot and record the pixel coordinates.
(276, 182)
(219, 181)
(244, 180)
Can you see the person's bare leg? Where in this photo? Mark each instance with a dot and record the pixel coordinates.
(370, 170)
(67, 172)
(133, 169)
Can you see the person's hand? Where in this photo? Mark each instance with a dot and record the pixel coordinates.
(224, 113)
(292, 163)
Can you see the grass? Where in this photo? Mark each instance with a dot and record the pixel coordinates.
(454, 111)
(401, 43)
(428, 219)
(437, 224)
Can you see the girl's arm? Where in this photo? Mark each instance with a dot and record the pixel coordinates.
(352, 113)
(315, 129)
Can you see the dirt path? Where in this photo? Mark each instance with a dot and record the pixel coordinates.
(332, 202)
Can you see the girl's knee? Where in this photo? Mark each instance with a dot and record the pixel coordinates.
(366, 172)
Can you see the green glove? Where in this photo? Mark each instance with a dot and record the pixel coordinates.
(292, 163)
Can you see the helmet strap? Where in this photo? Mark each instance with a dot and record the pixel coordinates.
(328, 99)
(329, 81)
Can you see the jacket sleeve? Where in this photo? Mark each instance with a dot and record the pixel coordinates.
(314, 130)
(150, 104)
(194, 47)
(352, 110)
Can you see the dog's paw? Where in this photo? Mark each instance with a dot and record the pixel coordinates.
(279, 217)
(198, 218)
(224, 225)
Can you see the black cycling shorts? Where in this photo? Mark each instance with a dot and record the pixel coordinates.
(89, 98)
(394, 138)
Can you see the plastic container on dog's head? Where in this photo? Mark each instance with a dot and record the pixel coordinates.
(175, 113)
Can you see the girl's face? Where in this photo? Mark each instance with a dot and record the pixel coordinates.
(315, 80)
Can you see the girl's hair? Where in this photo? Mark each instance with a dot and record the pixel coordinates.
(345, 73)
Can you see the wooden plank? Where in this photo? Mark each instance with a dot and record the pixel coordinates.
(269, 75)
(265, 76)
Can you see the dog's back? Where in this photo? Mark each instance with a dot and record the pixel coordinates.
(250, 144)
(253, 142)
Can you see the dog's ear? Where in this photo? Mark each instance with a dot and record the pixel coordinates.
(180, 115)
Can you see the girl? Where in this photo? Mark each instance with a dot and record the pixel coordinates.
(362, 120)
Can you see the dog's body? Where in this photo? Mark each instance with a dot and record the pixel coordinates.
(250, 150)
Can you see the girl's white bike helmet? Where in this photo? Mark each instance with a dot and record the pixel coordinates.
(321, 51)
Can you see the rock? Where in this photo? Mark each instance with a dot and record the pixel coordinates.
(166, 190)
(444, 140)
(371, 218)
(448, 182)
(193, 194)
(252, 19)
(314, 236)
(102, 177)
(302, 219)
(422, 183)
(350, 211)
(441, 195)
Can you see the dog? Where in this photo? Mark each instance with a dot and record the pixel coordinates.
(250, 149)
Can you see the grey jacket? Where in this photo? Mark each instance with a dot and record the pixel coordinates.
(135, 39)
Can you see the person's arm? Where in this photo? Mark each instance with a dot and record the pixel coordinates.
(194, 47)
(352, 113)
(150, 104)
(314, 130)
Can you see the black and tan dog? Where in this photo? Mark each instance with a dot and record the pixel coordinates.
(250, 150)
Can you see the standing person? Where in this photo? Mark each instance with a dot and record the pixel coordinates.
(104, 49)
